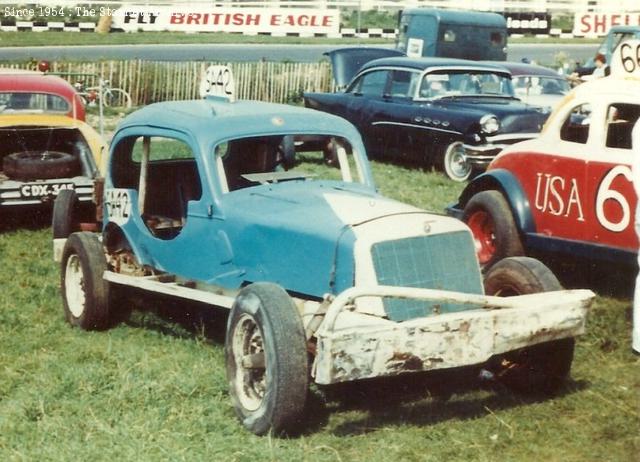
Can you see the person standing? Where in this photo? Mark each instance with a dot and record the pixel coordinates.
(635, 168)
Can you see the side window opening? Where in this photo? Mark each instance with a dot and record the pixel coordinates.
(164, 172)
(621, 119)
(403, 83)
(371, 84)
(575, 128)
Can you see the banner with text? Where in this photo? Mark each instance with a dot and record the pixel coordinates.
(590, 23)
(200, 18)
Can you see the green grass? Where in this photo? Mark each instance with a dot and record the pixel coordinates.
(153, 388)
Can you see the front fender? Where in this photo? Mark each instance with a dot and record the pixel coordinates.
(504, 181)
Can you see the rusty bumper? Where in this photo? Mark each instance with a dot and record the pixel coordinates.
(352, 347)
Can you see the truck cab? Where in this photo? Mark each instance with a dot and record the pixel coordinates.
(452, 34)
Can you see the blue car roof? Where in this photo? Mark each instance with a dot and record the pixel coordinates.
(473, 18)
(425, 63)
(218, 119)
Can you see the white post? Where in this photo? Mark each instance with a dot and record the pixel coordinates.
(144, 165)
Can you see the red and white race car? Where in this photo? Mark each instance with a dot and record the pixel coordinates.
(571, 189)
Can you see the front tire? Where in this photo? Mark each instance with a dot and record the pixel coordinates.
(266, 360)
(455, 164)
(84, 291)
(538, 369)
(493, 228)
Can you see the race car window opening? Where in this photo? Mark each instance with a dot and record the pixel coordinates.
(32, 102)
(164, 172)
(575, 128)
(621, 118)
(247, 162)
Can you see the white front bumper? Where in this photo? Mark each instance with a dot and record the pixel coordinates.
(352, 346)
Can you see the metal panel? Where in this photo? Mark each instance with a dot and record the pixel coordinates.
(442, 261)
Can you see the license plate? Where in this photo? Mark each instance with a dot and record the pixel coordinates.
(40, 190)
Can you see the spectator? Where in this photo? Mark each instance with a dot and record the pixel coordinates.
(601, 64)
(635, 143)
(601, 70)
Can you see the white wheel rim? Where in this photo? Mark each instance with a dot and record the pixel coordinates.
(74, 286)
(250, 383)
(456, 163)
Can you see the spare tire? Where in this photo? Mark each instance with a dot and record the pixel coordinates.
(40, 165)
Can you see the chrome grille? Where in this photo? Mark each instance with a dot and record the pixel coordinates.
(440, 261)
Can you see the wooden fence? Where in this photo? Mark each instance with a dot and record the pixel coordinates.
(153, 81)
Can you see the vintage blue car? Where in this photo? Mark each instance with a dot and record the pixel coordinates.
(233, 204)
(453, 114)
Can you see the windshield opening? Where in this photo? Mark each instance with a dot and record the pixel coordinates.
(448, 83)
(247, 162)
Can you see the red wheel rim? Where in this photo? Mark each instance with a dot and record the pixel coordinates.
(483, 230)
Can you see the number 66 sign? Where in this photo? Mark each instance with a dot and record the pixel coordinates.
(626, 59)
(218, 81)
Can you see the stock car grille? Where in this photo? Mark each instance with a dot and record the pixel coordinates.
(441, 261)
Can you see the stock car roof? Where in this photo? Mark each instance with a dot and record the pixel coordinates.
(216, 118)
(422, 64)
(30, 81)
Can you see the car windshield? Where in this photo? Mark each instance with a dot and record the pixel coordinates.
(252, 161)
(452, 83)
(526, 85)
(26, 102)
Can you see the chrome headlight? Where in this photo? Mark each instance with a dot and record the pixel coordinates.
(489, 124)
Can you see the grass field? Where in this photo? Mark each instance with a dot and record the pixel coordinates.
(153, 388)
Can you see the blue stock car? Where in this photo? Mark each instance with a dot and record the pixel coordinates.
(234, 204)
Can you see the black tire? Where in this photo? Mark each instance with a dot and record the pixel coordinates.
(542, 368)
(493, 227)
(84, 291)
(41, 165)
(264, 326)
(519, 276)
(69, 212)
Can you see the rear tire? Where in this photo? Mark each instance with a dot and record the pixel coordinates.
(69, 213)
(542, 368)
(493, 227)
(266, 360)
(84, 291)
